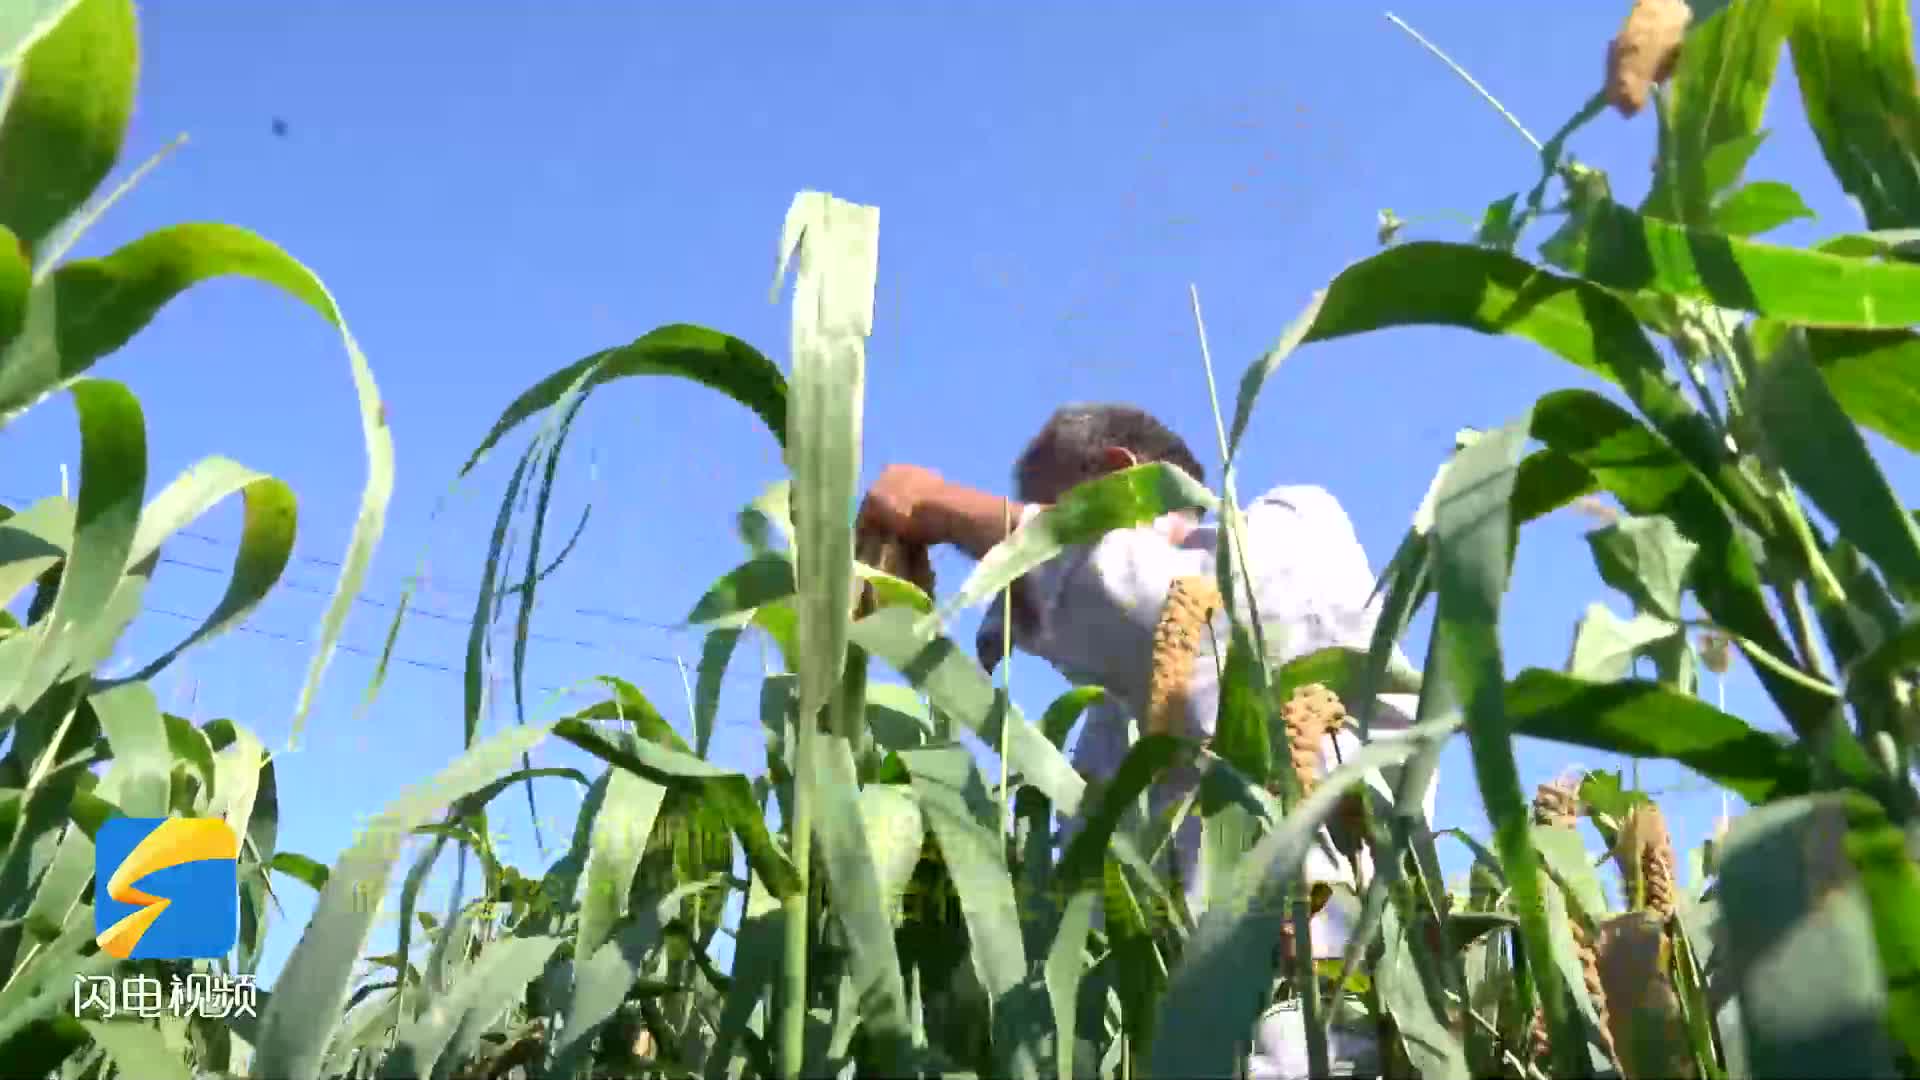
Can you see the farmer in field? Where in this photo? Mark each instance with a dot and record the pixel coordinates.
(1091, 612)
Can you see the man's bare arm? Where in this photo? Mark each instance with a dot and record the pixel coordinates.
(968, 518)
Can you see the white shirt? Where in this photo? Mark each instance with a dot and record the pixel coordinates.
(1094, 609)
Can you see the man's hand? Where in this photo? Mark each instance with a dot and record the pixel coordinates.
(901, 504)
(917, 505)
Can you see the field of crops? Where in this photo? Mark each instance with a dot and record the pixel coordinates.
(905, 912)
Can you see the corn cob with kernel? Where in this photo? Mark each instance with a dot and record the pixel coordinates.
(1644, 854)
(1185, 619)
(1312, 713)
(1557, 805)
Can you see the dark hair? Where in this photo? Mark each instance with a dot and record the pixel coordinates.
(1069, 448)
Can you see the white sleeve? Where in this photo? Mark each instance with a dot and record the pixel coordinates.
(1094, 608)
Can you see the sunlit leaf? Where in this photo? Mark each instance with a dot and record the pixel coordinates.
(1854, 59)
(73, 92)
(1800, 944)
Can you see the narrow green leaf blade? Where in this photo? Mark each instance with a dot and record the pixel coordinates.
(1810, 436)
(66, 114)
(1854, 60)
(1800, 946)
(99, 304)
(1117, 500)
(311, 991)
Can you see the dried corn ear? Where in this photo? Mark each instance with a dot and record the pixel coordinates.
(1645, 51)
(1653, 848)
(1311, 714)
(1185, 619)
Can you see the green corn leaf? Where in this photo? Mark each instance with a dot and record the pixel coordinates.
(957, 686)
(854, 887)
(1565, 959)
(1890, 879)
(78, 633)
(441, 1037)
(1811, 438)
(1470, 531)
(266, 540)
(239, 765)
(1605, 646)
(74, 91)
(708, 357)
(836, 246)
(754, 583)
(312, 988)
(1118, 500)
(1759, 207)
(897, 718)
(896, 831)
(728, 793)
(42, 984)
(1431, 1047)
(61, 886)
(1642, 719)
(88, 308)
(1647, 559)
(32, 542)
(142, 760)
(1565, 855)
(1428, 283)
(716, 652)
(1491, 292)
(620, 833)
(138, 1049)
(1343, 670)
(23, 25)
(1651, 479)
(1854, 60)
(1221, 984)
(961, 812)
(1800, 948)
(603, 981)
(1612, 246)
(1875, 375)
(1712, 108)
(1262, 369)
(16, 284)
(1065, 711)
(307, 871)
(758, 961)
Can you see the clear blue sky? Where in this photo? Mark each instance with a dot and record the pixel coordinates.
(496, 190)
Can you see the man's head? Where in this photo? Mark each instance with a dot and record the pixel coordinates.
(1080, 442)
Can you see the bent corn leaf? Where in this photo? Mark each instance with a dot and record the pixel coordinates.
(708, 357)
(74, 91)
(1119, 500)
(1615, 247)
(88, 308)
(1854, 60)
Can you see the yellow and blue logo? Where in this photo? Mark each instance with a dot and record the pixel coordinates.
(166, 888)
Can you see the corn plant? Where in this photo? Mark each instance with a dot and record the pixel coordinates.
(1780, 357)
(78, 744)
(904, 911)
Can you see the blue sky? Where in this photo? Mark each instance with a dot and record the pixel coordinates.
(496, 193)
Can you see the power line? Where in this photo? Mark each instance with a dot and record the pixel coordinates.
(410, 661)
(626, 618)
